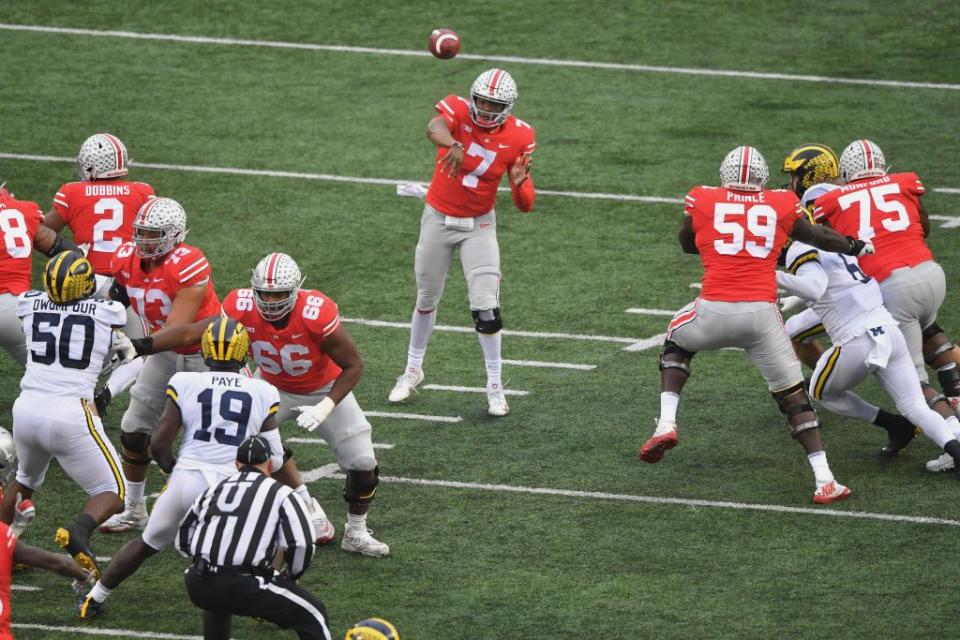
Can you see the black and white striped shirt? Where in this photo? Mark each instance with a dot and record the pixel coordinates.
(240, 522)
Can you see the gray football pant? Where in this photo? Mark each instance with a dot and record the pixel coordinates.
(913, 296)
(11, 329)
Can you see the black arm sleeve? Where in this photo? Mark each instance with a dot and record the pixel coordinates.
(60, 244)
(119, 293)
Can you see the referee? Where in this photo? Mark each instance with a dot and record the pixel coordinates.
(233, 532)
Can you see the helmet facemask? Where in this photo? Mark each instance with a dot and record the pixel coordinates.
(160, 225)
(276, 282)
(496, 87)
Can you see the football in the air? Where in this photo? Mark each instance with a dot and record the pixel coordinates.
(444, 43)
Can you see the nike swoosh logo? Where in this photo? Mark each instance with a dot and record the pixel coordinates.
(504, 146)
(296, 335)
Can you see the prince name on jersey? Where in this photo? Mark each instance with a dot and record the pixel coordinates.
(219, 410)
(67, 343)
(290, 356)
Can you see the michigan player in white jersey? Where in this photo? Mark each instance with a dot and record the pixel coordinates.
(866, 340)
(69, 334)
(217, 409)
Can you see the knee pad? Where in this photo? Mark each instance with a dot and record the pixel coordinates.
(487, 321)
(360, 487)
(935, 354)
(680, 358)
(135, 446)
(949, 378)
(792, 402)
(931, 331)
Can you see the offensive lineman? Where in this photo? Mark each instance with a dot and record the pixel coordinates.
(478, 141)
(866, 341)
(217, 409)
(301, 347)
(167, 283)
(738, 230)
(20, 233)
(99, 209)
(69, 334)
(886, 210)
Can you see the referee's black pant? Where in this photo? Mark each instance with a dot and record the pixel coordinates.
(278, 600)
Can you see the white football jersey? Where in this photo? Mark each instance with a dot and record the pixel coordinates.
(852, 302)
(219, 410)
(815, 191)
(66, 343)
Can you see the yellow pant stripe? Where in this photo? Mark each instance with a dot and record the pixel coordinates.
(825, 374)
(121, 487)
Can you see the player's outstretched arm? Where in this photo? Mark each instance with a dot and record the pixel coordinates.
(521, 184)
(41, 559)
(438, 131)
(50, 243)
(170, 338)
(52, 220)
(341, 348)
(161, 442)
(828, 239)
(687, 238)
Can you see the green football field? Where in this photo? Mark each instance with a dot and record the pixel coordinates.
(542, 524)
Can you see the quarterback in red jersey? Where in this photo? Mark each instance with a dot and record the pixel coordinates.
(99, 209)
(21, 232)
(739, 230)
(167, 283)
(886, 209)
(478, 141)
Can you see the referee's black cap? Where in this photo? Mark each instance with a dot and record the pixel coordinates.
(253, 450)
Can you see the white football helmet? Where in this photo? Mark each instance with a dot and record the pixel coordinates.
(277, 273)
(8, 457)
(862, 159)
(744, 169)
(102, 156)
(163, 215)
(495, 85)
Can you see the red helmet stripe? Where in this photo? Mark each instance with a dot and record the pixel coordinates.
(117, 149)
(745, 165)
(145, 209)
(495, 81)
(868, 158)
(272, 268)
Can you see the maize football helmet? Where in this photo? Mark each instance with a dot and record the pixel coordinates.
(8, 457)
(494, 85)
(277, 273)
(102, 156)
(225, 342)
(159, 215)
(744, 169)
(68, 277)
(372, 629)
(811, 164)
(862, 159)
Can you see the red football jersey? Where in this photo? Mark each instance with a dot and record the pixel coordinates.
(19, 220)
(488, 154)
(152, 294)
(8, 544)
(101, 214)
(739, 235)
(291, 358)
(885, 211)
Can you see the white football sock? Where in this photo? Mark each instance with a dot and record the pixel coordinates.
(954, 425)
(421, 326)
(356, 522)
(669, 401)
(304, 495)
(100, 592)
(821, 470)
(124, 376)
(491, 357)
(135, 491)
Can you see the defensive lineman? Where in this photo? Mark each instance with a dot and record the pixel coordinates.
(69, 334)
(478, 141)
(217, 409)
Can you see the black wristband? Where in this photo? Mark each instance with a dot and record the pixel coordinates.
(143, 346)
(856, 246)
(456, 144)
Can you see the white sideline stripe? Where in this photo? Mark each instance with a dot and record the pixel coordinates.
(615, 66)
(23, 587)
(506, 332)
(551, 365)
(450, 387)
(334, 178)
(651, 312)
(328, 177)
(412, 416)
(323, 443)
(95, 631)
(683, 502)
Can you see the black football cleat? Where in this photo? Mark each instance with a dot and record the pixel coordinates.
(74, 542)
(899, 437)
(89, 608)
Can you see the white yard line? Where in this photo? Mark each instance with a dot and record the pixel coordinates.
(23, 587)
(647, 343)
(551, 365)
(651, 312)
(100, 631)
(323, 443)
(946, 190)
(412, 416)
(422, 53)
(458, 389)
(506, 332)
(682, 502)
(949, 222)
(696, 285)
(326, 471)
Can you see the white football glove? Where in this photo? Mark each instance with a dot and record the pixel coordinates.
(82, 587)
(789, 303)
(312, 416)
(84, 248)
(122, 347)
